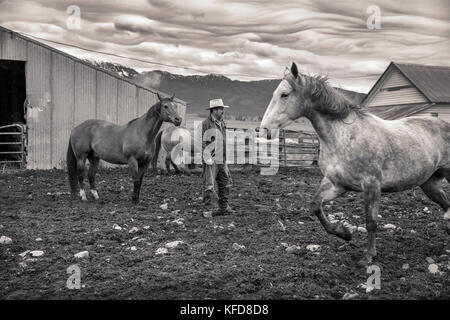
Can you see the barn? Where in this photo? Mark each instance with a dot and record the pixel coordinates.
(405, 90)
(50, 92)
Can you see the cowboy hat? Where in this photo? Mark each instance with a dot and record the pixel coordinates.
(215, 103)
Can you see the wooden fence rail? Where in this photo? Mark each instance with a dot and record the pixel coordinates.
(295, 148)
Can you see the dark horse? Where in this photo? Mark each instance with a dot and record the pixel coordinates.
(361, 152)
(130, 144)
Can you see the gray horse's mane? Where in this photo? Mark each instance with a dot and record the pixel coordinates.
(328, 100)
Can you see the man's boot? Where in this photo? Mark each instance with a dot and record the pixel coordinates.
(208, 198)
(224, 208)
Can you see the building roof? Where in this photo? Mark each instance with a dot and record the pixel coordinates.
(78, 60)
(398, 111)
(432, 81)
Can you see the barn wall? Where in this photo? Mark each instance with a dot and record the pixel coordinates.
(63, 91)
(106, 97)
(443, 111)
(395, 79)
(127, 102)
(402, 96)
(12, 47)
(85, 94)
(39, 114)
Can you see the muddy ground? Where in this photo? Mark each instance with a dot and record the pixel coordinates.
(272, 214)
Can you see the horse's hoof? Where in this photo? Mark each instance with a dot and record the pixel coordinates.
(343, 232)
(95, 194)
(83, 195)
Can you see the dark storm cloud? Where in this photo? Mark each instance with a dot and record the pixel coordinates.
(257, 38)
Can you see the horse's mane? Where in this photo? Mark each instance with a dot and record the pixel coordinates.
(328, 100)
(150, 112)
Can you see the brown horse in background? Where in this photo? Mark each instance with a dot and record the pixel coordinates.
(361, 152)
(130, 144)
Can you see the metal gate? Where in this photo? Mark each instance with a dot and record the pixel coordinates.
(13, 141)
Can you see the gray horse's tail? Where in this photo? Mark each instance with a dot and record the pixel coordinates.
(157, 144)
(72, 169)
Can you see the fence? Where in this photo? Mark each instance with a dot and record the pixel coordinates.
(13, 145)
(295, 148)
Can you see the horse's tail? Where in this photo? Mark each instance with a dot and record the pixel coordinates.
(157, 144)
(72, 169)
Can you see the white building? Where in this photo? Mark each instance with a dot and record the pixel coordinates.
(409, 89)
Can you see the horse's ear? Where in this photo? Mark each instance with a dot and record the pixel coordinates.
(171, 98)
(159, 97)
(294, 70)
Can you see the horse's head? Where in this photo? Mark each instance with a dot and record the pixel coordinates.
(288, 103)
(168, 110)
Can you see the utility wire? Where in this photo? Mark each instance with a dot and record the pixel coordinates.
(173, 66)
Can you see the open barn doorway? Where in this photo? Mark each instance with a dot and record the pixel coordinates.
(12, 113)
(13, 92)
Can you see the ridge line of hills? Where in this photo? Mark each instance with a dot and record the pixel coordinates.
(248, 100)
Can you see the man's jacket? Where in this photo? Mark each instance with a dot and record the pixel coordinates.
(212, 123)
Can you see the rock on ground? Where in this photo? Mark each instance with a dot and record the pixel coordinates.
(133, 230)
(160, 251)
(433, 268)
(349, 296)
(82, 255)
(292, 249)
(5, 240)
(313, 247)
(238, 247)
(173, 244)
(37, 253)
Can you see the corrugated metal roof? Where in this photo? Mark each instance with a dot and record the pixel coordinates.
(432, 81)
(398, 111)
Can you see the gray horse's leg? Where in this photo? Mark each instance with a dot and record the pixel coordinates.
(328, 191)
(433, 189)
(372, 196)
(167, 161)
(81, 170)
(177, 170)
(93, 167)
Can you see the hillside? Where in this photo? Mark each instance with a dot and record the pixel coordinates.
(248, 98)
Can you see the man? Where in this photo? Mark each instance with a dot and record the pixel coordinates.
(215, 168)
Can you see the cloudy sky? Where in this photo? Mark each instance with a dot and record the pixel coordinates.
(245, 40)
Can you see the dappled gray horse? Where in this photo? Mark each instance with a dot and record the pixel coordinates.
(129, 144)
(361, 152)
